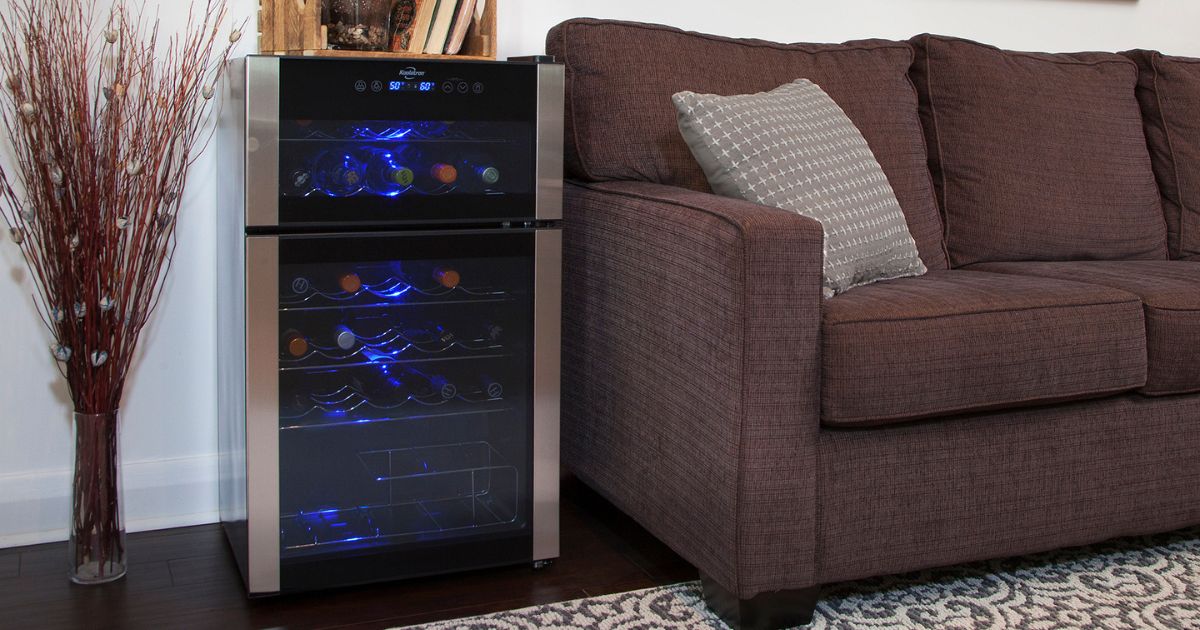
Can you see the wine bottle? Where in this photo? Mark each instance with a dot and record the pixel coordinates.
(477, 173)
(446, 276)
(443, 173)
(429, 335)
(490, 386)
(425, 387)
(387, 172)
(338, 174)
(301, 182)
(295, 343)
(350, 282)
(345, 338)
(442, 334)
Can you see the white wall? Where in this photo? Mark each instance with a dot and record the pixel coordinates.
(170, 428)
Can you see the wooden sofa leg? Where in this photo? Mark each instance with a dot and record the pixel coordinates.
(765, 611)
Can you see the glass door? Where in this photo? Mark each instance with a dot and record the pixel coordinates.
(405, 403)
(385, 142)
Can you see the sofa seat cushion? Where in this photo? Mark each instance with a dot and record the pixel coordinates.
(620, 122)
(1037, 156)
(955, 341)
(1170, 294)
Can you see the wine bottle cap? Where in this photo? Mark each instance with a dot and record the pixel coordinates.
(297, 345)
(446, 277)
(489, 175)
(402, 176)
(345, 338)
(444, 173)
(444, 387)
(350, 283)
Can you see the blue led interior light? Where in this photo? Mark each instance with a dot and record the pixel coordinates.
(387, 133)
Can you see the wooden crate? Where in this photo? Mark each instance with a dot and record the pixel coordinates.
(293, 27)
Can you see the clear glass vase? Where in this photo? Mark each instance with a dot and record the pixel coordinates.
(96, 543)
(360, 24)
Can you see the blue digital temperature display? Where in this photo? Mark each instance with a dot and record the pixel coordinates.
(410, 86)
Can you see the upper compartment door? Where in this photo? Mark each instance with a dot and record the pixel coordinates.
(385, 142)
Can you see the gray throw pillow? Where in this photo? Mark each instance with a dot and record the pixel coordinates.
(795, 149)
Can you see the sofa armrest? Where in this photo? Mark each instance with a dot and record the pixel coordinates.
(691, 341)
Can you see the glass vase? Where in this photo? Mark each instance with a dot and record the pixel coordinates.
(96, 543)
(359, 24)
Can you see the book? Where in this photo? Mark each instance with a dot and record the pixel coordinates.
(466, 12)
(403, 13)
(440, 30)
(422, 19)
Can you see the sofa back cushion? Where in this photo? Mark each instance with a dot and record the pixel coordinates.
(1169, 93)
(1037, 156)
(621, 123)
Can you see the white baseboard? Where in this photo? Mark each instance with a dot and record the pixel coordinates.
(158, 494)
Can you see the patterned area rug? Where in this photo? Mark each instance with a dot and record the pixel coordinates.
(1132, 583)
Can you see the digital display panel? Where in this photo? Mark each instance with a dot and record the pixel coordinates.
(410, 86)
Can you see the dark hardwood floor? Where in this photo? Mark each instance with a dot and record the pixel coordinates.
(186, 578)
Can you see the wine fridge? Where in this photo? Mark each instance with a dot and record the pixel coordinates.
(389, 280)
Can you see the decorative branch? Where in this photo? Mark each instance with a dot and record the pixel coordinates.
(104, 120)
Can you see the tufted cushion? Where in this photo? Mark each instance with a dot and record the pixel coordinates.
(621, 124)
(1037, 156)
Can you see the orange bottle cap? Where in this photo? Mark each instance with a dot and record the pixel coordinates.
(448, 278)
(444, 173)
(297, 346)
(350, 283)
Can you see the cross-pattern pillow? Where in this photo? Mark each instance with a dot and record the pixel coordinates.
(795, 149)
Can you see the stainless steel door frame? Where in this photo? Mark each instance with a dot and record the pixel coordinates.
(262, 141)
(550, 121)
(262, 413)
(547, 377)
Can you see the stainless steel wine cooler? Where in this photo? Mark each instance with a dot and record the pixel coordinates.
(389, 298)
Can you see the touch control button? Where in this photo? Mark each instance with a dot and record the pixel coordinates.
(477, 88)
(377, 86)
(360, 85)
(447, 87)
(463, 87)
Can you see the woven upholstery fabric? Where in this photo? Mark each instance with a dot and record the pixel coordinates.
(793, 148)
(956, 341)
(690, 373)
(1169, 93)
(1170, 294)
(928, 494)
(621, 124)
(1037, 156)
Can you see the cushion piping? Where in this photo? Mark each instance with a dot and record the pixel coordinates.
(1132, 299)
(878, 421)
(1034, 56)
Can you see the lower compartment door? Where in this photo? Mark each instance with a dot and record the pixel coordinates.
(405, 370)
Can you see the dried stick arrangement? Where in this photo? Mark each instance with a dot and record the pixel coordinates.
(105, 120)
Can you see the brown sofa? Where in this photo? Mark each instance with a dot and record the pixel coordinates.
(1039, 387)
